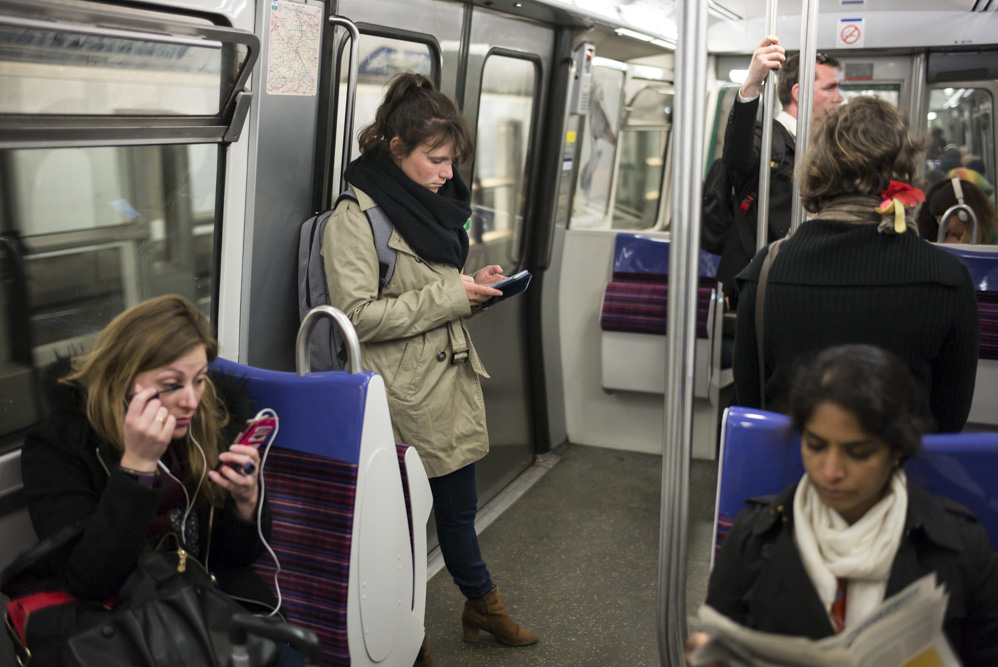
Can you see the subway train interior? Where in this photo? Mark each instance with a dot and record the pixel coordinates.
(177, 146)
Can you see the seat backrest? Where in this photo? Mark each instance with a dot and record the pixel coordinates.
(982, 263)
(333, 470)
(760, 455)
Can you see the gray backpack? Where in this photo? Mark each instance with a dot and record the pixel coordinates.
(327, 349)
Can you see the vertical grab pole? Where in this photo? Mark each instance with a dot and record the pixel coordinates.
(919, 120)
(684, 255)
(351, 92)
(766, 146)
(805, 100)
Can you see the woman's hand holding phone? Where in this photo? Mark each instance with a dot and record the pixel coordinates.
(148, 430)
(244, 486)
(477, 286)
(240, 466)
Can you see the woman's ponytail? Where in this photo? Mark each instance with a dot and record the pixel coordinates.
(416, 112)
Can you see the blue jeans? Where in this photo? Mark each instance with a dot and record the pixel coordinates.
(455, 504)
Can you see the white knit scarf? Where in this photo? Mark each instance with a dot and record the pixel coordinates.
(862, 553)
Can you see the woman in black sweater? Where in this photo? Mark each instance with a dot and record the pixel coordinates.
(855, 272)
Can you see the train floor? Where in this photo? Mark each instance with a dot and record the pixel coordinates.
(576, 559)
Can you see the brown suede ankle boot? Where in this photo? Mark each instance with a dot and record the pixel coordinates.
(423, 659)
(490, 615)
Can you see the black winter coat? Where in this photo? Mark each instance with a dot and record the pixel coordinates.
(759, 580)
(70, 476)
(837, 283)
(742, 147)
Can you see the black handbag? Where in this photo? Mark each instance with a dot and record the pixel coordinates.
(169, 612)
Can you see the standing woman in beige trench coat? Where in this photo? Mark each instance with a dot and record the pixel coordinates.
(413, 332)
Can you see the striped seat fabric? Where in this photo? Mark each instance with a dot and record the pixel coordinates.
(639, 303)
(312, 499)
(987, 308)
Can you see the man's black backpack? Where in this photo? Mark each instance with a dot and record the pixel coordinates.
(327, 348)
(722, 199)
(718, 208)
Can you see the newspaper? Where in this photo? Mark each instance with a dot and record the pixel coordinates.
(904, 631)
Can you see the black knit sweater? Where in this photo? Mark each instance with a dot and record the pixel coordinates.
(836, 283)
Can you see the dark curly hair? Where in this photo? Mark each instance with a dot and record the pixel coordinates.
(872, 384)
(858, 149)
(416, 112)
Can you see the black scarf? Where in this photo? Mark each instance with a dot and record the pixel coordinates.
(431, 222)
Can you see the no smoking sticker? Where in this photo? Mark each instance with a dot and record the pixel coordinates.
(850, 33)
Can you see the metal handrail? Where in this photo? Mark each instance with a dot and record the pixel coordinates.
(684, 252)
(766, 146)
(805, 101)
(303, 361)
(918, 119)
(352, 78)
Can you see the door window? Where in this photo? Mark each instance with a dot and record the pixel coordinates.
(961, 134)
(505, 121)
(643, 143)
(380, 58)
(598, 152)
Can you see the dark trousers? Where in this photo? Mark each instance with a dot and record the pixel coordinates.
(455, 504)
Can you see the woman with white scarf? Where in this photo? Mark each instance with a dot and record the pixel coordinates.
(827, 551)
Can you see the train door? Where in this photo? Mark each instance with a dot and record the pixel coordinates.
(505, 89)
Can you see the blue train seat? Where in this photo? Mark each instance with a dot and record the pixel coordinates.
(982, 262)
(760, 455)
(352, 546)
(633, 317)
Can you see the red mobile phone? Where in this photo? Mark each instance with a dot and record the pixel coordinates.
(258, 431)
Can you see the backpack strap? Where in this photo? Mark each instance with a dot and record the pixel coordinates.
(760, 317)
(382, 229)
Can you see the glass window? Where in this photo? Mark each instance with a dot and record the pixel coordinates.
(599, 148)
(89, 232)
(643, 143)
(95, 60)
(961, 134)
(726, 97)
(380, 58)
(505, 115)
(889, 92)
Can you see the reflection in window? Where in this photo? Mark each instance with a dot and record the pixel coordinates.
(89, 232)
(643, 143)
(961, 134)
(598, 150)
(505, 111)
(381, 58)
(67, 69)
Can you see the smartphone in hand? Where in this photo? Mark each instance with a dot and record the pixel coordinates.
(257, 432)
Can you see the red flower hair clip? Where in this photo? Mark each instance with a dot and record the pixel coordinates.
(896, 198)
(903, 192)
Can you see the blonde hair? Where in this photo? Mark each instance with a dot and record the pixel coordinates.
(858, 149)
(150, 335)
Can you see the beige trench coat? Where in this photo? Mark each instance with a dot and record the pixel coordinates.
(410, 335)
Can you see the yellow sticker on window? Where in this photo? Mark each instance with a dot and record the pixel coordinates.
(570, 137)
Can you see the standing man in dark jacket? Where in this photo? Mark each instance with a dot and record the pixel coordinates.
(742, 141)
